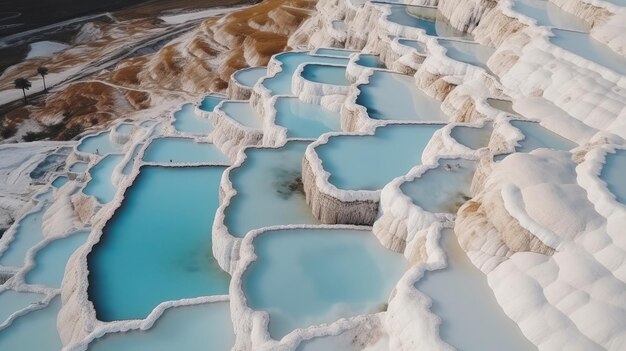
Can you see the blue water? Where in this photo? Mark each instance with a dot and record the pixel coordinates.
(128, 167)
(125, 128)
(471, 53)
(548, 14)
(472, 320)
(443, 189)
(335, 75)
(370, 162)
(369, 60)
(187, 328)
(269, 190)
(472, 137)
(333, 52)
(242, 112)
(304, 120)
(415, 44)
(393, 96)
(101, 184)
(50, 163)
(613, 174)
(186, 120)
(59, 181)
(250, 76)
(537, 137)
(182, 150)
(583, 45)
(51, 260)
(157, 246)
(305, 277)
(281, 82)
(13, 301)
(79, 167)
(425, 18)
(35, 331)
(98, 144)
(209, 102)
(27, 235)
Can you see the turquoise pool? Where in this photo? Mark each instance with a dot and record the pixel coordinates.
(304, 120)
(368, 60)
(305, 277)
(101, 184)
(422, 17)
(209, 102)
(241, 112)
(269, 190)
(79, 167)
(468, 52)
(248, 77)
(186, 120)
(548, 14)
(472, 137)
(324, 74)
(183, 150)
(59, 181)
(157, 246)
(35, 331)
(99, 144)
(12, 301)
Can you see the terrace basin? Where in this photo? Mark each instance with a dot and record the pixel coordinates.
(472, 137)
(536, 136)
(545, 13)
(325, 74)
(304, 120)
(304, 277)
(183, 150)
(28, 233)
(101, 184)
(98, 144)
(36, 330)
(241, 112)
(13, 301)
(186, 120)
(468, 52)
(423, 17)
(248, 77)
(209, 102)
(613, 174)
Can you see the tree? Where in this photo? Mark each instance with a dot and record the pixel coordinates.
(24, 84)
(43, 72)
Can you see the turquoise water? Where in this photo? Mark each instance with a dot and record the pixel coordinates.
(128, 167)
(368, 60)
(125, 128)
(305, 277)
(443, 189)
(269, 190)
(333, 52)
(281, 82)
(471, 53)
(187, 121)
(51, 260)
(101, 184)
(548, 14)
(393, 96)
(249, 76)
(335, 75)
(182, 150)
(35, 331)
(79, 167)
(613, 174)
(186, 328)
(415, 44)
(27, 235)
(304, 120)
(472, 137)
(583, 45)
(99, 144)
(422, 17)
(13, 301)
(50, 163)
(157, 246)
(472, 320)
(59, 181)
(370, 162)
(242, 112)
(209, 102)
(537, 137)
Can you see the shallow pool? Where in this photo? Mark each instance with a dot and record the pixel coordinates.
(304, 120)
(415, 44)
(583, 45)
(305, 277)
(281, 82)
(157, 246)
(502, 105)
(128, 167)
(472, 137)
(186, 120)
(187, 328)
(471, 316)
(101, 184)
(79, 167)
(369, 60)
(369, 162)
(209, 102)
(183, 150)
(13, 301)
(548, 14)
(98, 144)
(51, 260)
(394, 96)
(536, 136)
(35, 331)
(324, 74)
(248, 77)
(242, 112)
(423, 17)
(59, 181)
(269, 190)
(613, 174)
(27, 235)
(468, 52)
(333, 52)
(125, 128)
(50, 163)
(443, 189)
